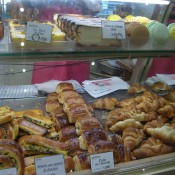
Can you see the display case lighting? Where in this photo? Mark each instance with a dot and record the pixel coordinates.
(21, 9)
(144, 1)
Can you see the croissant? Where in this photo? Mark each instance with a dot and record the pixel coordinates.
(153, 124)
(165, 133)
(105, 103)
(152, 147)
(168, 110)
(121, 125)
(136, 89)
(170, 96)
(160, 86)
(151, 105)
(129, 103)
(132, 137)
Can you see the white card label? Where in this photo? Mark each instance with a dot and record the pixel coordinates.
(101, 162)
(51, 165)
(9, 171)
(38, 32)
(113, 30)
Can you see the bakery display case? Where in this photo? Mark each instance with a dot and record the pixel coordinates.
(62, 40)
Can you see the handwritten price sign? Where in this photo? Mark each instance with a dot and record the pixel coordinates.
(113, 30)
(9, 171)
(38, 32)
(51, 165)
(101, 162)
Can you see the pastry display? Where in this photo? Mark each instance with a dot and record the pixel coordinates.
(139, 127)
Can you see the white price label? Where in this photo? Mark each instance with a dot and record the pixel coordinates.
(51, 165)
(38, 32)
(9, 171)
(113, 30)
(101, 162)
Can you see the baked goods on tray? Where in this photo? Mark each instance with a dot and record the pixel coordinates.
(138, 127)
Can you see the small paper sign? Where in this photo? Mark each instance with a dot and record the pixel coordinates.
(9, 171)
(51, 165)
(38, 32)
(113, 29)
(101, 162)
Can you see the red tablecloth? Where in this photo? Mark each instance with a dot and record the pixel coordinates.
(60, 70)
(162, 66)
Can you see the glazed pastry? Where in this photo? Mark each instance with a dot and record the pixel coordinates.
(105, 103)
(6, 162)
(52, 105)
(160, 86)
(39, 120)
(9, 130)
(68, 93)
(132, 137)
(75, 111)
(168, 110)
(58, 112)
(31, 128)
(73, 100)
(67, 133)
(165, 133)
(90, 137)
(74, 146)
(60, 122)
(82, 161)
(63, 87)
(52, 97)
(7, 114)
(101, 146)
(42, 144)
(121, 125)
(86, 124)
(136, 89)
(14, 152)
(122, 154)
(152, 147)
(69, 164)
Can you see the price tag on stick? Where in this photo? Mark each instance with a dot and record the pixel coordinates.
(101, 162)
(38, 32)
(51, 165)
(113, 29)
(8, 171)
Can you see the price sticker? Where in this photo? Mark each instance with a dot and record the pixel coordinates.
(8, 171)
(113, 30)
(51, 165)
(101, 162)
(38, 32)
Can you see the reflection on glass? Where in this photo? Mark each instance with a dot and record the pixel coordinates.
(22, 44)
